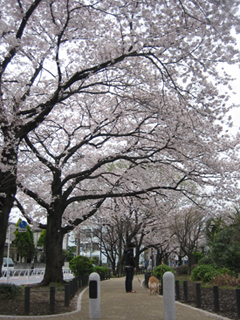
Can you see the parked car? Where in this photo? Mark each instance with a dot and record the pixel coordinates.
(9, 262)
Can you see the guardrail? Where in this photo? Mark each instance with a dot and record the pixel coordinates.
(29, 272)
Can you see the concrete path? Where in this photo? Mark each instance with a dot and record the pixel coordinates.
(116, 304)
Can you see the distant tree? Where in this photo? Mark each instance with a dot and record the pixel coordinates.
(41, 245)
(95, 260)
(24, 242)
(225, 245)
(42, 240)
(225, 249)
(213, 226)
(188, 228)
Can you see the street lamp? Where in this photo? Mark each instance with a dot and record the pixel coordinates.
(101, 241)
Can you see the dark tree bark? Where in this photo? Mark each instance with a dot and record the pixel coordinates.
(54, 258)
(7, 187)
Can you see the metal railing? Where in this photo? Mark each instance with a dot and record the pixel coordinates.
(17, 273)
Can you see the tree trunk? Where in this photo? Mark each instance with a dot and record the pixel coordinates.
(54, 258)
(6, 203)
(159, 258)
(189, 263)
(7, 191)
(113, 264)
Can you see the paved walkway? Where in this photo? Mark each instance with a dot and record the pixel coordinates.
(116, 305)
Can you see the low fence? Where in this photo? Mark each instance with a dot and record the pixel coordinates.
(16, 273)
(70, 290)
(214, 298)
(182, 294)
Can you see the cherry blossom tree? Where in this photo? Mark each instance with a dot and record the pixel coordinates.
(188, 227)
(121, 221)
(141, 78)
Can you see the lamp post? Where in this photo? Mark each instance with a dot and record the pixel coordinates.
(101, 241)
(100, 258)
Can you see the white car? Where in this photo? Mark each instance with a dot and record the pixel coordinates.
(10, 266)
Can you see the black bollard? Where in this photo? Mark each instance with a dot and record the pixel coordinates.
(238, 302)
(84, 280)
(27, 300)
(52, 299)
(75, 285)
(216, 298)
(177, 290)
(71, 289)
(147, 276)
(161, 288)
(198, 295)
(185, 291)
(67, 295)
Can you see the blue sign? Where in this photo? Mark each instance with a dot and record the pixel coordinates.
(22, 224)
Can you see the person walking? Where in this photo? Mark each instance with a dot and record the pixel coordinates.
(130, 267)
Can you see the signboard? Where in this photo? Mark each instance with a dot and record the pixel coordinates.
(22, 226)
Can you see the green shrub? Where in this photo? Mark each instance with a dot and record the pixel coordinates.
(9, 291)
(181, 270)
(159, 271)
(102, 271)
(225, 271)
(203, 273)
(206, 273)
(206, 260)
(81, 265)
(95, 260)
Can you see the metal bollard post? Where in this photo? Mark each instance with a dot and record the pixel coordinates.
(52, 299)
(94, 296)
(198, 295)
(177, 290)
(238, 302)
(84, 280)
(75, 285)
(161, 288)
(67, 295)
(168, 296)
(72, 288)
(185, 291)
(27, 300)
(147, 276)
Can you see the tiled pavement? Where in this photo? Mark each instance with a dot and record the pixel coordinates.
(116, 304)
